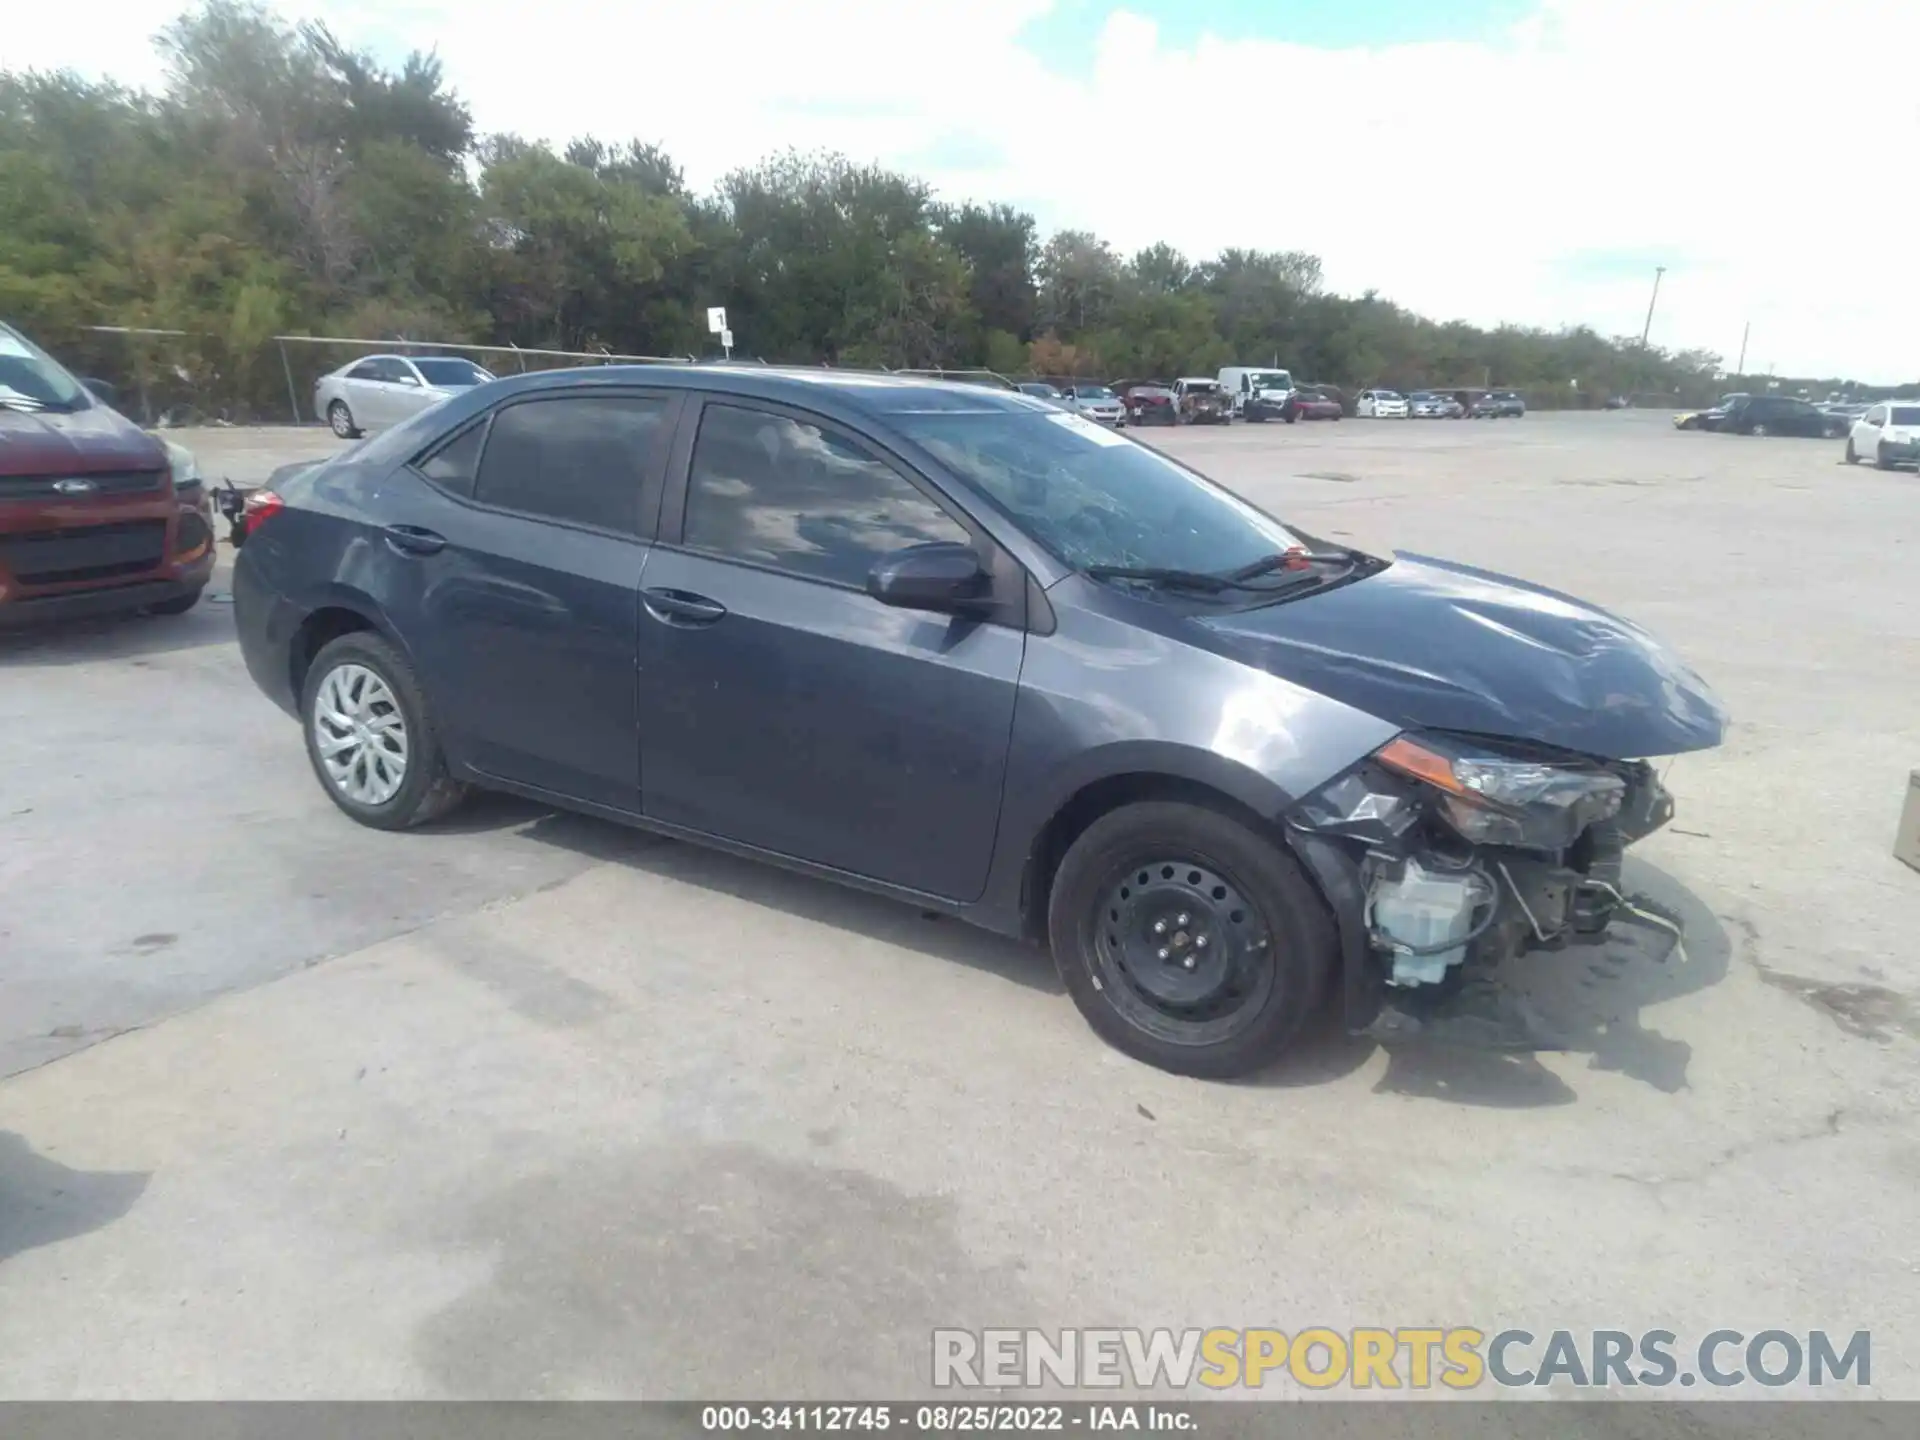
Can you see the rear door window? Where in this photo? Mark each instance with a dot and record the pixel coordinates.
(580, 459)
(456, 464)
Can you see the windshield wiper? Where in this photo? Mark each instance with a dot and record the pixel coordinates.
(1209, 582)
(1163, 575)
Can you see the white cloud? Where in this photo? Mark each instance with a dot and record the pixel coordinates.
(1537, 177)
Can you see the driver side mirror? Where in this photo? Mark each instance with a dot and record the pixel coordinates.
(942, 575)
(105, 391)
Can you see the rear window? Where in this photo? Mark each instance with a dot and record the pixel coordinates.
(577, 458)
(452, 373)
(1904, 415)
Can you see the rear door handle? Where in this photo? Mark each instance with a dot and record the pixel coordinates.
(679, 607)
(414, 540)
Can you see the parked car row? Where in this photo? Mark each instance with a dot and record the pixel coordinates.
(1254, 394)
(1887, 433)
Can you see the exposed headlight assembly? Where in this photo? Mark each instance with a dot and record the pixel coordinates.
(1493, 799)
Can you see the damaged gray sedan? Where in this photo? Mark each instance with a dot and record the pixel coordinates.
(962, 648)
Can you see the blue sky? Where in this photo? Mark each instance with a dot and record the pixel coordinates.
(1064, 38)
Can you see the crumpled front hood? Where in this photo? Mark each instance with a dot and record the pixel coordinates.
(81, 443)
(1429, 644)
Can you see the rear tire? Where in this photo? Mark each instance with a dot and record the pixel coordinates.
(340, 421)
(1245, 969)
(426, 790)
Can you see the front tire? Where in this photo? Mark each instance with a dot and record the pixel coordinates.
(1187, 940)
(340, 421)
(371, 736)
(1759, 430)
(1853, 456)
(1880, 460)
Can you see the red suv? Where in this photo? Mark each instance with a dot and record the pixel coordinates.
(96, 515)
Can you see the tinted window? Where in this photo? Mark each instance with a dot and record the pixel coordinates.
(579, 458)
(1905, 415)
(454, 464)
(779, 492)
(451, 373)
(365, 370)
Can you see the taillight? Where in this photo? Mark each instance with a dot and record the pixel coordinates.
(261, 506)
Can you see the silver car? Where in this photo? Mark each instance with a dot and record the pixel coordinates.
(1096, 402)
(383, 390)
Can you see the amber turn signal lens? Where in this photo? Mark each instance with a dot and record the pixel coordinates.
(1415, 760)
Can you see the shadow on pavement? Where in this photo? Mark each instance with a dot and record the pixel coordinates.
(43, 1202)
(760, 883)
(117, 637)
(1591, 997)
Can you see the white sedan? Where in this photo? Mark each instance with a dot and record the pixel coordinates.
(1381, 405)
(383, 390)
(1888, 434)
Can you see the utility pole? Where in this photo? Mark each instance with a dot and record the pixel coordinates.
(1647, 329)
(1745, 329)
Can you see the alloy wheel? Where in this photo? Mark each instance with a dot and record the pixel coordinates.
(360, 735)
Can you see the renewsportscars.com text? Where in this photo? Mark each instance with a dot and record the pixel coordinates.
(1400, 1358)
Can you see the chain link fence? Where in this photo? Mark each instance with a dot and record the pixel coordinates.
(170, 378)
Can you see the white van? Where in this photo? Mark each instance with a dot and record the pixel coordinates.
(1259, 391)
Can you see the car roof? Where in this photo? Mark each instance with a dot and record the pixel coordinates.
(861, 391)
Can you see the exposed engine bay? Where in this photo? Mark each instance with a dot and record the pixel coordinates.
(1472, 850)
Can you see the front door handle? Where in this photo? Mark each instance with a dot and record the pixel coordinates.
(415, 540)
(680, 607)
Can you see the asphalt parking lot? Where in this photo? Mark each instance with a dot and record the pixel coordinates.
(530, 1106)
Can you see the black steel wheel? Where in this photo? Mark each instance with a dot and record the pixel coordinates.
(1187, 939)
